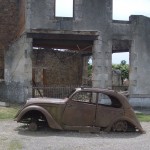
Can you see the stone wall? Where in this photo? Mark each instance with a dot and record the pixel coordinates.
(21, 17)
(18, 69)
(88, 15)
(140, 54)
(8, 23)
(135, 33)
(53, 67)
(14, 92)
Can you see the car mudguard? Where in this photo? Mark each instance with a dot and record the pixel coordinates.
(136, 124)
(51, 122)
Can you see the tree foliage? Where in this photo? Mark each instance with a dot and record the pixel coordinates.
(124, 68)
(89, 70)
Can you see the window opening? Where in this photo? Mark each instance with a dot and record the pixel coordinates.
(110, 101)
(82, 97)
(63, 8)
(104, 100)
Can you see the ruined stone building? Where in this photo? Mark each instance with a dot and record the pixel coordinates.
(38, 47)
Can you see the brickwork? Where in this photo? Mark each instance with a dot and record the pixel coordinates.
(8, 26)
(57, 68)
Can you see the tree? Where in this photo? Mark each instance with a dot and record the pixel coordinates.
(123, 62)
(124, 68)
(89, 70)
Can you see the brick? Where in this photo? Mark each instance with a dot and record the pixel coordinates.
(8, 19)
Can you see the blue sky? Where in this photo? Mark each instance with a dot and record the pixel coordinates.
(122, 9)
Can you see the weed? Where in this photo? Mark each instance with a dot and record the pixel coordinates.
(143, 117)
(8, 112)
(15, 145)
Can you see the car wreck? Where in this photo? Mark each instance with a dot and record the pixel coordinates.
(85, 109)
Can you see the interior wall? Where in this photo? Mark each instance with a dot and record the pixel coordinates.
(53, 67)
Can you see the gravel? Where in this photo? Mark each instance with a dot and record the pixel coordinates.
(15, 136)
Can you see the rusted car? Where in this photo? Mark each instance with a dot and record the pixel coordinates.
(85, 109)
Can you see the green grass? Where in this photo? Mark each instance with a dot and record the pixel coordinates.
(143, 117)
(8, 112)
(15, 145)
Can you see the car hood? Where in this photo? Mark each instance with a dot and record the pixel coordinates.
(46, 101)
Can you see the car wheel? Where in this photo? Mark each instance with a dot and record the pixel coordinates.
(120, 126)
(33, 126)
(131, 128)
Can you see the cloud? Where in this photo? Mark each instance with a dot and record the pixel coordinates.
(64, 8)
(118, 57)
(122, 9)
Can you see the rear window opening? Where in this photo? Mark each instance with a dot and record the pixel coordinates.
(109, 101)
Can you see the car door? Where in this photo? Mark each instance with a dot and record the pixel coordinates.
(79, 111)
(108, 109)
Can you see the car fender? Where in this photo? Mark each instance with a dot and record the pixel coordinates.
(136, 124)
(51, 122)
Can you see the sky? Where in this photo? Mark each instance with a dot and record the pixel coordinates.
(122, 9)
(64, 8)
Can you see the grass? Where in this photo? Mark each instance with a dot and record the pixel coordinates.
(143, 117)
(8, 112)
(15, 145)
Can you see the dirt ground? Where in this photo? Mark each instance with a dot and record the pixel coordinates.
(14, 136)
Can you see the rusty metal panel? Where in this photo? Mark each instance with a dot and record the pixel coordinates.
(79, 114)
(105, 115)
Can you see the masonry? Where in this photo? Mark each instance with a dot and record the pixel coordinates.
(8, 23)
(36, 31)
(133, 36)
